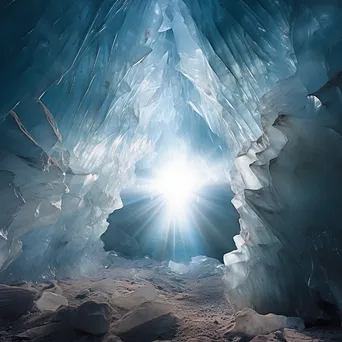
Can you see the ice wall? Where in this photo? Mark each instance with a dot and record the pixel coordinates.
(90, 87)
(80, 82)
(289, 245)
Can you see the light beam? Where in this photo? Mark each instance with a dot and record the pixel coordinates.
(177, 182)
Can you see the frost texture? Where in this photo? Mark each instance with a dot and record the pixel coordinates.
(91, 87)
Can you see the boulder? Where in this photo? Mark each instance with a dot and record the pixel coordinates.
(42, 331)
(15, 301)
(92, 318)
(147, 322)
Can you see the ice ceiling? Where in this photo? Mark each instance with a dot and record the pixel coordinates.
(91, 87)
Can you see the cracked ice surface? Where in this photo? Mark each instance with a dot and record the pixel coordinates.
(90, 88)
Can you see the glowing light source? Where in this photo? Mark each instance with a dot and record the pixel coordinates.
(178, 183)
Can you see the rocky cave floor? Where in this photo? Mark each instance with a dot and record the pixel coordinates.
(140, 302)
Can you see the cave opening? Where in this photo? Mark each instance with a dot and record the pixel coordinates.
(161, 221)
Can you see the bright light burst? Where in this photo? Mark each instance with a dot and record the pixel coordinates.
(173, 214)
(178, 183)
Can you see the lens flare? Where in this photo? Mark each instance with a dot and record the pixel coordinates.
(178, 183)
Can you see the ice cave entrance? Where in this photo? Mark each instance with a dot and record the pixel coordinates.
(93, 90)
(174, 211)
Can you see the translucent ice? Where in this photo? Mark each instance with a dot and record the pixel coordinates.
(178, 267)
(89, 88)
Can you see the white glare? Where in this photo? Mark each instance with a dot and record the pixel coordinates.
(178, 183)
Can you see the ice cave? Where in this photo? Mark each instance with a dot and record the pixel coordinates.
(170, 170)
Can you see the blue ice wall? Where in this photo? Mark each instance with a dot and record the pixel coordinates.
(89, 88)
(287, 185)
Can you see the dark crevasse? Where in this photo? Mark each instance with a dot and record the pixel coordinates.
(89, 88)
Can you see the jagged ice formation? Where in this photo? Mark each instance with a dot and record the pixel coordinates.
(89, 88)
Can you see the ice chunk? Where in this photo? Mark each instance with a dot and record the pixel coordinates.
(50, 301)
(202, 266)
(83, 294)
(178, 268)
(146, 293)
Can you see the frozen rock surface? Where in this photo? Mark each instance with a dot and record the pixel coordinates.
(15, 301)
(50, 301)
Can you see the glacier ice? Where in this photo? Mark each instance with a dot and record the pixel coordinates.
(90, 88)
(178, 268)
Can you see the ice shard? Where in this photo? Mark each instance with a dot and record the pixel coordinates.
(89, 88)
